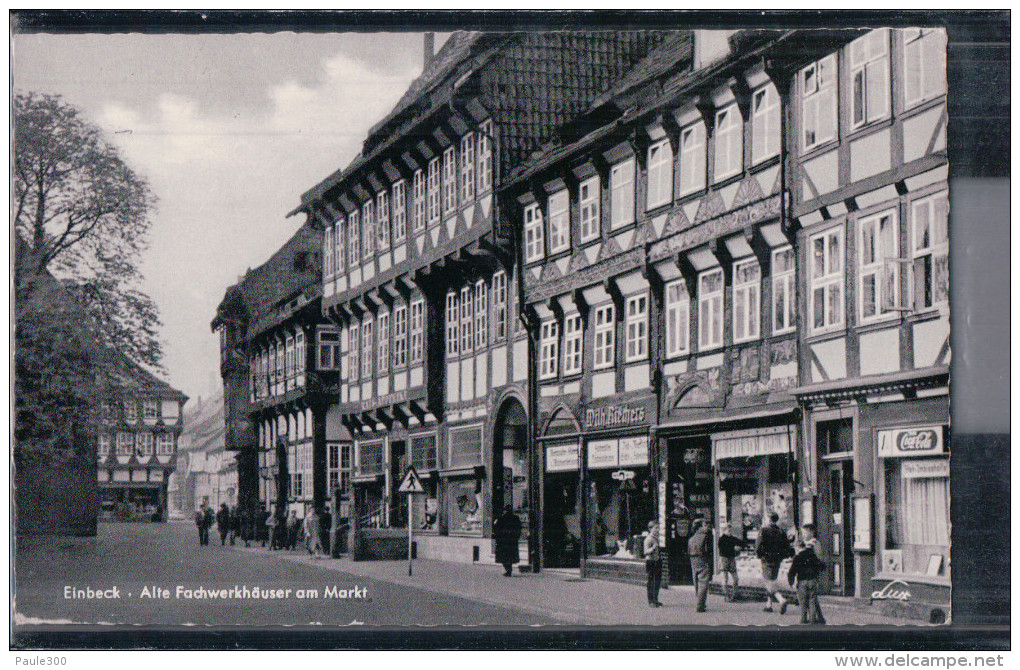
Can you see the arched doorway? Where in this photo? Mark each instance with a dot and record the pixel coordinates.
(510, 459)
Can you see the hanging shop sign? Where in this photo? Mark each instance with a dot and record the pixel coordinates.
(905, 442)
(756, 442)
(634, 450)
(926, 469)
(623, 475)
(613, 416)
(562, 457)
(603, 454)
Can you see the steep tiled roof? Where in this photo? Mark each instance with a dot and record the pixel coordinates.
(294, 267)
(124, 373)
(672, 55)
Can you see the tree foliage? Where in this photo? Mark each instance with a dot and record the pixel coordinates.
(83, 216)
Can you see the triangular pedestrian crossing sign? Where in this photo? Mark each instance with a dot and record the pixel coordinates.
(411, 483)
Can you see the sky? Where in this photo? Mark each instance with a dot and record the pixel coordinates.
(229, 131)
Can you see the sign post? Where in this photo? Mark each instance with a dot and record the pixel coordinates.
(410, 484)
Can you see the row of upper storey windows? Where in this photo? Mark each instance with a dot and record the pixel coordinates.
(886, 280)
(149, 410)
(142, 444)
(690, 323)
(456, 177)
(597, 209)
(867, 81)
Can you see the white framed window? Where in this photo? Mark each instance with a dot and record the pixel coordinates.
(125, 443)
(368, 227)
(382, 224)
(924, 64)
(452, 324)
(329, 348)
(766, 123)
(729, 142)
(637, 327)
(399, 211)
(419, 200)
(573, 333)
(481, 314)
(434, 212)
(605, 337)
(827, 278)
(449, 180)
(559, 221)
(354, 354)
(746, 300)
(550, 343)
(327, 252)
(130, 411)
(678, 315)
(288, 366)
(710, 309)
(621, 194)
(588, 198)
(692, 158)
(300, 355)
(104, 446)
(399, 336)
(485, 157)
(367, 349)
(339, 249)
(869, 77)
(499, 305)
(467, 168)
(878, 272)
(784, 295)
(165, 444)
(467, 317)
(143, 444)
(930, 245)
(660, 174)
(417, 330)
(150, 410)
(354, 239)
(818, 102)
(534, 233)
(382, 335)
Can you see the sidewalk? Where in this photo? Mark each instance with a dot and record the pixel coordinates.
(566, 597)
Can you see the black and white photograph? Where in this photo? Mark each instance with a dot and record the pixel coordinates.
(355, 325)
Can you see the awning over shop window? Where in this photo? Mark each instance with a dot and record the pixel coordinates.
(753, 442)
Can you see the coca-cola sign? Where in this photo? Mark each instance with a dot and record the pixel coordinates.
(919, 441)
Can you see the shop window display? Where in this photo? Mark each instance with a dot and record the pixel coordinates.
(621, 510)
(465, 506)
(917, 517)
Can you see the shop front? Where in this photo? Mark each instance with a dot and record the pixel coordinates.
(754, 478)
(132, 495)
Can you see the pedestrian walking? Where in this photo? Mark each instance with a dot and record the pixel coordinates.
(261, 525)
(223, 523)
(208, 520)
(772, 547)
(235, 524)
(653, 563)
(292, 529)
(699, 548)
(805, 570)
(271, 523)
(507, 532)
(313, 538)
(728, 545)
(200, 524)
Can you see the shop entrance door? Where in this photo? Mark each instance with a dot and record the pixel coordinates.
(839, 487)
(399, 462)
(688, 495)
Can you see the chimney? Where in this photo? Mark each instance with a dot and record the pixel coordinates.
(429, 48)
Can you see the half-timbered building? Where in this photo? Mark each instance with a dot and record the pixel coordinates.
(422, 284)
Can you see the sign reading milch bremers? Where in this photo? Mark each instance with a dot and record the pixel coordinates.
(613, 416)
(917, 441)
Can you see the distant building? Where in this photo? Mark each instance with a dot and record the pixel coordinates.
(139, 424)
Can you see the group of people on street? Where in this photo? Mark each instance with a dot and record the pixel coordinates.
(262, 526)
(772, 548)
